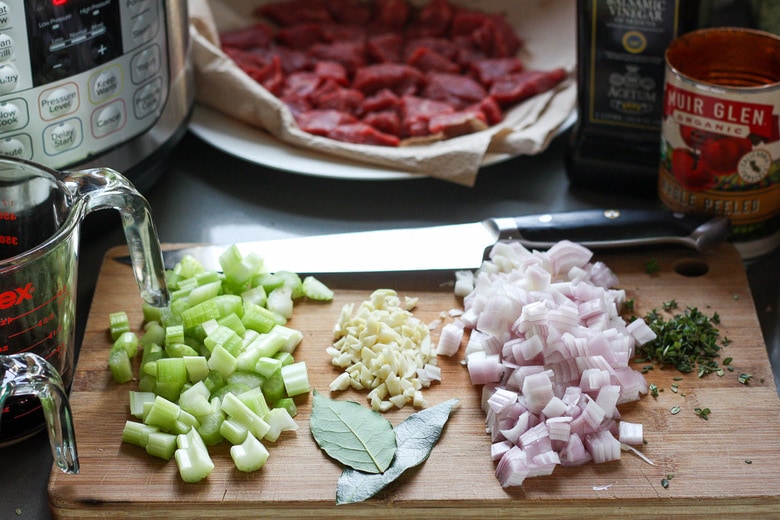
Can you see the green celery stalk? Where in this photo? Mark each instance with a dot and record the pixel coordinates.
(161, 445)
(118, 323)
(296, 378)
(250, 455)
(279, 420)
(192, 457)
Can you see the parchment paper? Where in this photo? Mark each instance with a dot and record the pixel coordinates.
(546, 26)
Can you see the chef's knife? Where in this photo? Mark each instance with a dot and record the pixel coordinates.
(463, 246)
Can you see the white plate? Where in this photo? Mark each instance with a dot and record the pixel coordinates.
(259, 147)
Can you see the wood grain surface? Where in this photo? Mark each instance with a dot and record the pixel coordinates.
(726, 466)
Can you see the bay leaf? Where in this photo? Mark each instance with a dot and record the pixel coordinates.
(415, 438)
(354, 435)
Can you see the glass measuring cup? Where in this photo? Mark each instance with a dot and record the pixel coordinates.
(40, 213)
(31, 375)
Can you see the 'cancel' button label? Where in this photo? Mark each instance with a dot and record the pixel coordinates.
(108, 119)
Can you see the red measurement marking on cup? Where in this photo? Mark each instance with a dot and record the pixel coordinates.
(52, 333)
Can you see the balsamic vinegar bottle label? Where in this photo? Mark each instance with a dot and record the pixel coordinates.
(628, 40)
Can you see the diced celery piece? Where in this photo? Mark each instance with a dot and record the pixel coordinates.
(222, 361)
(137, 400)
(204, 292)
(260, 319)
(120, 366)
(285, 358)
(153, 333)
(292, 337)
(314, 289)
(232, 321)
(195, 399)
(250, 455)
(214, 381)
(163, 413)
(292, 281)
(279, 420)
(202, 312)
(255, 400)
(174, 334)
(171, 377)
(255, 295)
(180, 350)
(161, 445)
(137, 433)
(224, 337)
(296, 378)
(280, 301)
(267, 365)
(233, 431)
(192, 457)
(209, 276)
(209, 428)
(239, 269)
(249, 379)
(228, 303)
(127, 341)
(289, 404)
(241, 413)
(231, 388)
(118, 323)
(273, 387)
(147, 383)
(197, 368)
(152, 313)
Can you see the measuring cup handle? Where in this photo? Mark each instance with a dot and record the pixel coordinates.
(103, 188)
(35, 376)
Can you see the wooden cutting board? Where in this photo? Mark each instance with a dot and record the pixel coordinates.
(728, 465)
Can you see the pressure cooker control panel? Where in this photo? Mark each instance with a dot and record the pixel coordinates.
(79, 77)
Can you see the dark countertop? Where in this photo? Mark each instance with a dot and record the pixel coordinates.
(208, 196)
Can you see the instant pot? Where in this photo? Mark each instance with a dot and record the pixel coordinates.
(95, 83)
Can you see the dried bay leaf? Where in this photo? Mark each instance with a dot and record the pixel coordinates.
(415, 438)
(354, 435)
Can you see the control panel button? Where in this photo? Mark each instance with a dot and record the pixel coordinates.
(148, 99)
(105, 84)
(5, 19)
(9, 78)
(11, 116)
(108, 119)
(59, 101)
(62, 136)
(6, 46)
(17, 146)
(145, 27)
(145, 64)
(137, 6)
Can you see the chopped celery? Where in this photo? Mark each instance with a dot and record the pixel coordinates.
(249, 379)
(232, 321)
(137, 400)
(280, 301)
(288, 404)
(163, 413)
(242, 414)
(224, 337)
(250, 455)
(174, 334)
(292, 337)
(292, 281)
(153, 333)
(273, 387)
(266, 366)
(222, 361)
(127, 341)
(118, 323)
(279, 420)
(227, 304)
(210, 424)
(202, 312)
(259, 318)
(296, 378)
(233, 431)
(195, 400)
(197, 368)
(285, 358)
(192, 457)
(314, 289)
(120, 366)
(204, 292)
(161, 445)
(171, 377)
(180, 350)
(255, 400)
(137, 433)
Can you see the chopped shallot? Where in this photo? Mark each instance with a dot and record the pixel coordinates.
(548, 344)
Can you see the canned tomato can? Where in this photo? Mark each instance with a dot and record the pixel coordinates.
(720, 134)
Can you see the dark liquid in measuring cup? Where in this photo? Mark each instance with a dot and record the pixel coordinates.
(35, 299)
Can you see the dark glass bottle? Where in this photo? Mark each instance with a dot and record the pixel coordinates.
(620, 74)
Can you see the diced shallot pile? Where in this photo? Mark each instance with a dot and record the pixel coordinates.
(552, 353)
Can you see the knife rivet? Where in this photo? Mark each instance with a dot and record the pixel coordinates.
(612, 213)
(545, 218)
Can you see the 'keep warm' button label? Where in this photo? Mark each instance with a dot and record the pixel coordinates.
(59, 101)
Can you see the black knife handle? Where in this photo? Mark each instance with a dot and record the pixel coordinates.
(614, 228)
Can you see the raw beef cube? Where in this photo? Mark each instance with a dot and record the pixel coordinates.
(489, 70)
(459, 91)
(522, 85)
(496, 37)
(386, 121)
(458, 123)
(299, 36)
(385, 48)
(465, 22)
(265, 68)
(400, 78)
(350, 12)
(257, 36)
(300, 85)
(331, 95)
(350, 54)
(361, 133)
(293, 60)
(390, 15)
(381, 101)
(292, 12)
(336, 32)
(491, 110)
(428, 60)
(432, 20)
(322, 122)
(443, 46)
(332, 70)
(416, 112)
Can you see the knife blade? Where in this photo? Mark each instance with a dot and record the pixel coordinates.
(464, 246)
